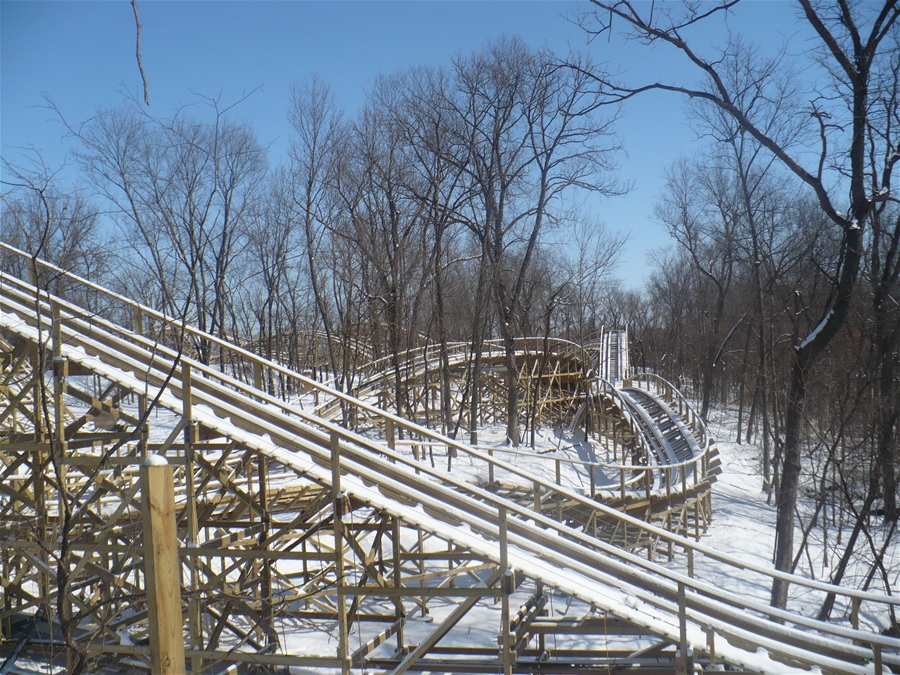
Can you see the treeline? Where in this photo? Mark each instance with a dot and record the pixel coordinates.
(780, 296)
(444, 210)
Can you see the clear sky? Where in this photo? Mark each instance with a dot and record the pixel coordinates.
(82, 54)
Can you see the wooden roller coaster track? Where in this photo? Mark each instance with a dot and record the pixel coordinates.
(292, 525)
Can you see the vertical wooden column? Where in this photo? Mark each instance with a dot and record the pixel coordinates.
(268, 615)
(399, 610)
(162, 570)
(343, 647)
(144, 431)
(711, 645)
(474, 405)
(506, 586)
(195, 627)
(39, 460)
(58, 454)
(257, 375)
(420, 541)
(685, 665)
(60, 372)
(491, 466)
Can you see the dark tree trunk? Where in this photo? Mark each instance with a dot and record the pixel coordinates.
(786, 495)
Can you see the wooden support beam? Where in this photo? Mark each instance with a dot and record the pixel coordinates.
(195, 626)
(445, 626)
(343, 647)
(506, 656)
(162, 568)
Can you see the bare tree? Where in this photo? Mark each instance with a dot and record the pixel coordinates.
(387, 227)
(700, 213)
(588, 274)
(852, 41)
(48, 222)
(532, 131)
(52, 225)
(883, 273)
(438, 184)
(317, 150)
(181, 192)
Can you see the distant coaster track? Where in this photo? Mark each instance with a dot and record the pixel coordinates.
(661, 462)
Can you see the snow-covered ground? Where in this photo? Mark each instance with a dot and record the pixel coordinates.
(743, 526)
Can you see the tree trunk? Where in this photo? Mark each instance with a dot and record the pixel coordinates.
(786, 496)
(840, 570)
(512, 387)
(446, 409)
(888, 413)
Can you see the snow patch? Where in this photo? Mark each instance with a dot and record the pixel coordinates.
(815, 333)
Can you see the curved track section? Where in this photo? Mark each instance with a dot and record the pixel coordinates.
(675, 443)
(356, 474)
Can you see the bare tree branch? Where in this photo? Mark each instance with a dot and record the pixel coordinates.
(138, 26)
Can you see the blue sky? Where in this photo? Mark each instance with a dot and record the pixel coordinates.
(82, 54)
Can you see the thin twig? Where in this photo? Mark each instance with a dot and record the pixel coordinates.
(137, 25)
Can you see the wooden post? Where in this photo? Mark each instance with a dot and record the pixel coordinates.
(343, 646)
(144, 431)
(58, 438)
(138, 320)
(684, 666)
(162, 570)
(671, 552)
(60, 373)
(505, 580)
(593, 480)
(257, 375)
(490, 466)
(697, 520)
(39, 459)
(399, 610)
(390, 433)
(423, 602)
(265, 577)
(195, 627)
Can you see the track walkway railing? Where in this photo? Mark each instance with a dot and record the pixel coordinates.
(665, 601)
(662, 473)
(393, 426)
